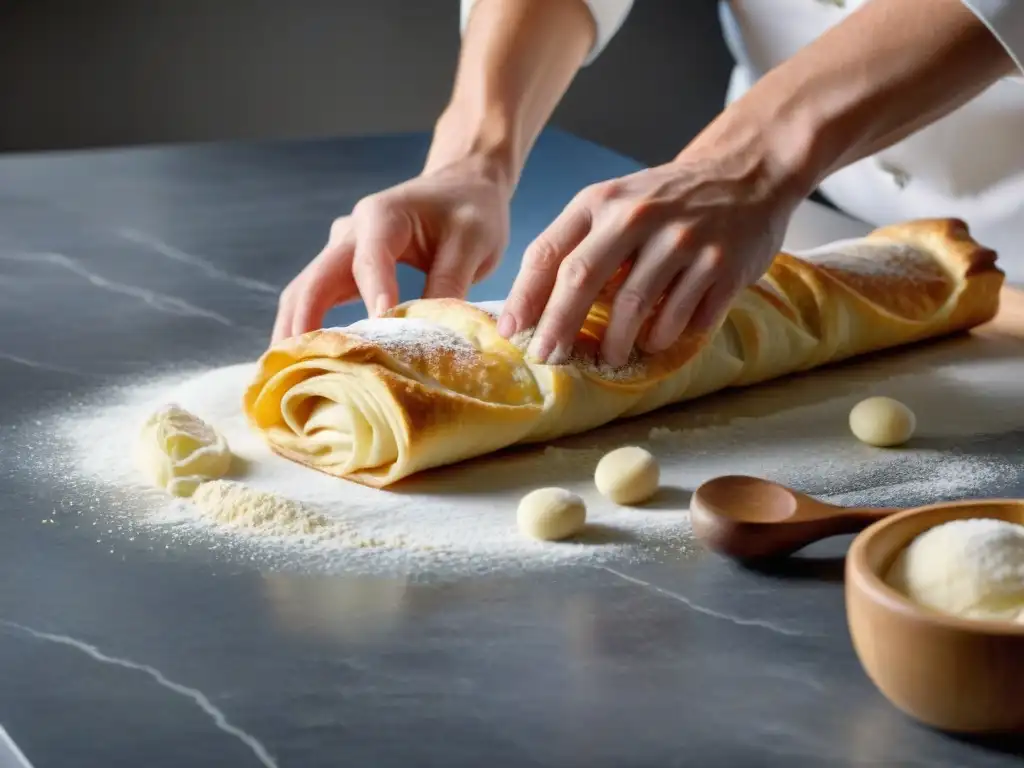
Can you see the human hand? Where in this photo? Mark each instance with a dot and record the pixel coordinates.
(451, 223)
(687, 236)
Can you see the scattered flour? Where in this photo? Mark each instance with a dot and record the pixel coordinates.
(462, 519)
(268, 509)
(236, 505)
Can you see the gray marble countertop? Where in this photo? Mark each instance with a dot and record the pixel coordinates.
(115, 263)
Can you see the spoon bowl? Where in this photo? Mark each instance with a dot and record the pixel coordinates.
(748, 518)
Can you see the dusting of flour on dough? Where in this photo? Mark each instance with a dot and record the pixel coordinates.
(404, 337)
(872, 258)
(632, 369)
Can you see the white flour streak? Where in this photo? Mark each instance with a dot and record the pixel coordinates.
(13, 750)
(216, 715)
(159, 301)
(208, 269)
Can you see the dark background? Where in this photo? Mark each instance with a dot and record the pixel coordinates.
(86, 73)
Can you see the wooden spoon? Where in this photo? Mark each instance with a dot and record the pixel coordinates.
(749, 518)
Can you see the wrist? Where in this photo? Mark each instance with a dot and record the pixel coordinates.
(481, 141)
(766, 144)
(801, 115)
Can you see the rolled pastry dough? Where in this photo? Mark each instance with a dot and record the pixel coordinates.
(433, 382)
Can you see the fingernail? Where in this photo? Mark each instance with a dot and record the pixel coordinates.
(558, 356)
(507, 326)
(539, 349)
(380, 306)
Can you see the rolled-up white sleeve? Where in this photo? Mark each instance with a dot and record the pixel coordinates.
(1005, 18)
(608, 17)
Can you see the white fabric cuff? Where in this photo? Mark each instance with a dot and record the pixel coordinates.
(608, 17)
(1005, 18)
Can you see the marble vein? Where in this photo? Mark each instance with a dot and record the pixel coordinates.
(210, 270)
(43, 366)
(702, 609)
(13, 750)
(216, 715)
(159, 301)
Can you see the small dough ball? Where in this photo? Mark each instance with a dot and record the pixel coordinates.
(178, 451)
(628, 475)
(882, 421)
(551, 514)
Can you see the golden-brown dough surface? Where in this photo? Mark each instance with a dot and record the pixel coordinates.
(433, 383)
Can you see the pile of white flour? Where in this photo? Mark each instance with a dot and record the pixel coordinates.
(462, 518)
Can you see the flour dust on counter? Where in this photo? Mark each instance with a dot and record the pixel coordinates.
(462, 519)
(280, 514)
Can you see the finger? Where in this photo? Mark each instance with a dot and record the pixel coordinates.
(682, 301)
(283, 320)
(539, 269)
(577, 285)
(330, 272)
(455, 265)
(382, 235)
(659, 261)
(713, 307)
(486, 267)
(330, 283)
(458, 259)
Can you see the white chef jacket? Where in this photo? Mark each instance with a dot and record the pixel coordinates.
(969, 164)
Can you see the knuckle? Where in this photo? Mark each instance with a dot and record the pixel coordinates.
(362, 263)
(631, 302)
(370, 206)
(640, 212)
(469, 217)
(679, 238)
(339, 228)
(542, 255)
(600, 194)
(715, 260)
(577, 274)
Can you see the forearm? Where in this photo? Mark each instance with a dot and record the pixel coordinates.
(888, 70)
(518, 58)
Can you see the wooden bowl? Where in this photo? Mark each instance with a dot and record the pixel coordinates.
(960, 675)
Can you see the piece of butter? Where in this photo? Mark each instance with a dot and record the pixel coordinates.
(178, 451)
